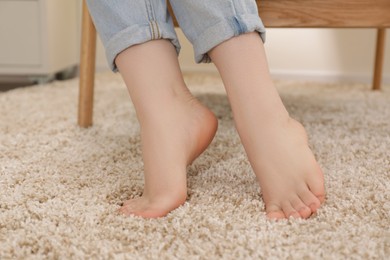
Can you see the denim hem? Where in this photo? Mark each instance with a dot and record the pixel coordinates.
(138, 34)
(226, 29)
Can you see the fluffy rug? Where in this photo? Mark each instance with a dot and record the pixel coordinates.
(60, 186)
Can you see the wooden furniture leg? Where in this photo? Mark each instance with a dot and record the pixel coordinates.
(379, 58)
(87, 69)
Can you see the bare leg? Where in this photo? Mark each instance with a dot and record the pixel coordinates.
(290, 178)
(175, 127)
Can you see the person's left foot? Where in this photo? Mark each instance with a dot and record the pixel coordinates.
(290, 178)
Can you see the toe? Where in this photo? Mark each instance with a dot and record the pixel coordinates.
(124, 210)
(274, 212)
(276, 215)
(316, 184)
(303, 210)
(321, 197)
(131, 207)
(289, 210)
(310, 200)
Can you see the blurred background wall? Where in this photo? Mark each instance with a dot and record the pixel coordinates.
(300, 54)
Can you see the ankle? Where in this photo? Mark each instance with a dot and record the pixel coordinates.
(176, 195)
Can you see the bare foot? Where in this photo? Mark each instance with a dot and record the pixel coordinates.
(171, 140)
(290, 178)
(291, 181)
(175, 127)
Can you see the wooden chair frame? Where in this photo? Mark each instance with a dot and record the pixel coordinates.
(275, 14)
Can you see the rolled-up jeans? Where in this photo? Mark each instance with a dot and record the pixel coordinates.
(206, 23)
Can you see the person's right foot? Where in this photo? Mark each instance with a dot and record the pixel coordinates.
(171, 140)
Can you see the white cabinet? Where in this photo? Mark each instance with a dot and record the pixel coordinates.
(38, 37)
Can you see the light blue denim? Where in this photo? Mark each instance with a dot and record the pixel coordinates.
(206, 23)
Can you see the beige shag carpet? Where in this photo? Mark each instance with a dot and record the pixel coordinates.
(60, 186)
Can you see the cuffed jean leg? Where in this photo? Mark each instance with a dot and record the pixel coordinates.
(208, 23)
(124, 23)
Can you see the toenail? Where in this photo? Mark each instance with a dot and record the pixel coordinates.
(294, 215)
(321, 198)
(304, 209)
(314, 207)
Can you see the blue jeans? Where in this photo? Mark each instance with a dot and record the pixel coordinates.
(206, 23)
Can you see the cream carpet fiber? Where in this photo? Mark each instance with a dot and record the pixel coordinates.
(60, 186)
